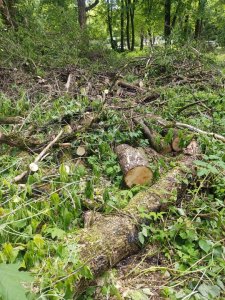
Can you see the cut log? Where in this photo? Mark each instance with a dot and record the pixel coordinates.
(114, 237)
(135, 165)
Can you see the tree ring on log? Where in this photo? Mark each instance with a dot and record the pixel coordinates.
(138, 175)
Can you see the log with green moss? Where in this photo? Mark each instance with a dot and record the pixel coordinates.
(114, 237)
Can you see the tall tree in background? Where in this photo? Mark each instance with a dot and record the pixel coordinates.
(110, 26)
(82, 11)
(167, 25)
(127, 2)
(132, 10)
(122, 26)
(199, 20)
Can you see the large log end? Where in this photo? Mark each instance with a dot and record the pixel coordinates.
(138, 175)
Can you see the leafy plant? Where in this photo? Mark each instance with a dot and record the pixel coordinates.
(12, 282)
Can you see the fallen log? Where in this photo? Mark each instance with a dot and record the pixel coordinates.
(135, 165)
(114, 237)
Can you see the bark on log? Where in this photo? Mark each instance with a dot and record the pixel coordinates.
(135, 165)
(114, 237)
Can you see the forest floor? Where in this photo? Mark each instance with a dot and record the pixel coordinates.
(182, 252)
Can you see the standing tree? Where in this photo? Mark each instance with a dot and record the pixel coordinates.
(167, 25)
(199, 21)
(82, 11)
(127, 2)
(132, 9)
(110, 26)
(122, 27)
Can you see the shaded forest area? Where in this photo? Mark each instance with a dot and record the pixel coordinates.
(112, 139)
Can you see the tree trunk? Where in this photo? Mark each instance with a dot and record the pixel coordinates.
(186, 24)
(114, 237)
(82, 11)
(109, 21)
(132, 9)
(141, 41)
(128, 23)
(199, 21)
(135, 165)
(167, 26)
(122, 27)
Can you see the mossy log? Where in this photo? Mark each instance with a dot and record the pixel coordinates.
(114, 237)
(135, 165)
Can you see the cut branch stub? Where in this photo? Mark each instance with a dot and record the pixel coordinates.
(135, 165)
(156, 141)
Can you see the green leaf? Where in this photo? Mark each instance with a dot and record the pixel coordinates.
(10, 282)
(145, 231)
(141, 238)
(209, 291)
(55, 232)
(205, 245)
